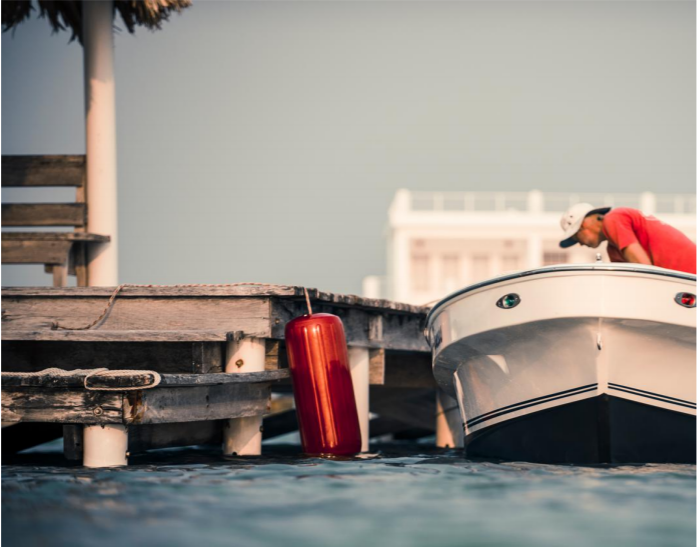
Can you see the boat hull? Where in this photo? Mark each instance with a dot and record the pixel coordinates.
(598, 430)
(562, 376)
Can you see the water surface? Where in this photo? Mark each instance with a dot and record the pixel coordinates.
(402, 495)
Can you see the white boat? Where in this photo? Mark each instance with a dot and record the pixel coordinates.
(583, 363)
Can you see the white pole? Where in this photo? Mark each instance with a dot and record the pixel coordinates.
(358, 363)
(105, 445)
(100, 140)
(449, 425)
(243, 436)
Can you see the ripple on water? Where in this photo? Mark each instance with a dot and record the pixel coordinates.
(403, 496)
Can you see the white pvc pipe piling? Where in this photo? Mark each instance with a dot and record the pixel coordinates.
(105, 445)
(243, 436)
(100, 141)
(359, 365)
(449, 424)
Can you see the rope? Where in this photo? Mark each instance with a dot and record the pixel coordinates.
(54, 372)
(106, 372)
(55, 325)
(89, 372)
(307, 300)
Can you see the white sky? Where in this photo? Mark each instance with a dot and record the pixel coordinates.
(264, 141)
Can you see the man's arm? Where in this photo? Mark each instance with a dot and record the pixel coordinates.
(635, 253)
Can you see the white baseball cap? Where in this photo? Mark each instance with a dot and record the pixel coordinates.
(572, 220)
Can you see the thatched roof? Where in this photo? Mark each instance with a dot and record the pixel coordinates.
(67, 14)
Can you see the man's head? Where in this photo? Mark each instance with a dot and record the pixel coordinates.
(582, 223)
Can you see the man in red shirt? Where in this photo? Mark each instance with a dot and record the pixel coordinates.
(631, 236)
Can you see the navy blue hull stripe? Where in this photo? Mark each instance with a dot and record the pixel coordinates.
(613, 386)
(531, 402)
(655, 398)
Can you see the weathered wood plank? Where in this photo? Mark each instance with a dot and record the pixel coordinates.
(44, 214)
(79, 263)
(50, 381)
(180, 380)
(16, 251)
(43, 170)
(294, 293)
(191, 404)
(163, 357)
(116, 336)
(73, 444)
(207, 357)
(376, 366)
(275, 356)
(60, 274)
(213, 317)
(61, 406)
(398, 330)
(54, 236)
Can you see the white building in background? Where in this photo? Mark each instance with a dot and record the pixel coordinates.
(439, 242)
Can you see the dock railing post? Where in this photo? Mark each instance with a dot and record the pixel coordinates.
(105, 445)
(359, 365)
(449, 425)
(243, 436)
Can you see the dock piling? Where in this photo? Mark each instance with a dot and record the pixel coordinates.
(105, 445)
(449, 425)
(359, 365)
(243, 436)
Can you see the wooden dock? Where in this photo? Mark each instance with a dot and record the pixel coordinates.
(220, 353)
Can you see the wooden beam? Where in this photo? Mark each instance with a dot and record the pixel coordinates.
(60, 274)
(286, 292)
(61, 406)
(164, 357)
(376, 366)
(54, 236)
(44, 214)
(35, 252)
(167, 319)
(43, 170)
(275, 356)
(144, 379)
(79, 263)
(207, 357)
(397, 330)
(47, 334)
(190, 404)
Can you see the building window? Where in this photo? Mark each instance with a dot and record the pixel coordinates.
(510, 263)
(554, 257)
(420, 273)
(481, 267)
(450, 274)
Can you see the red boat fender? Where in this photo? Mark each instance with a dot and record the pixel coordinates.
(322, 385)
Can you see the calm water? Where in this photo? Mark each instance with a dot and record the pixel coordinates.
(406, 495)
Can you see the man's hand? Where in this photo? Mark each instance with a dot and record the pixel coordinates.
(635, 253)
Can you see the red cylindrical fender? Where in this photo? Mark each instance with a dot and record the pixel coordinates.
(322, 386)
